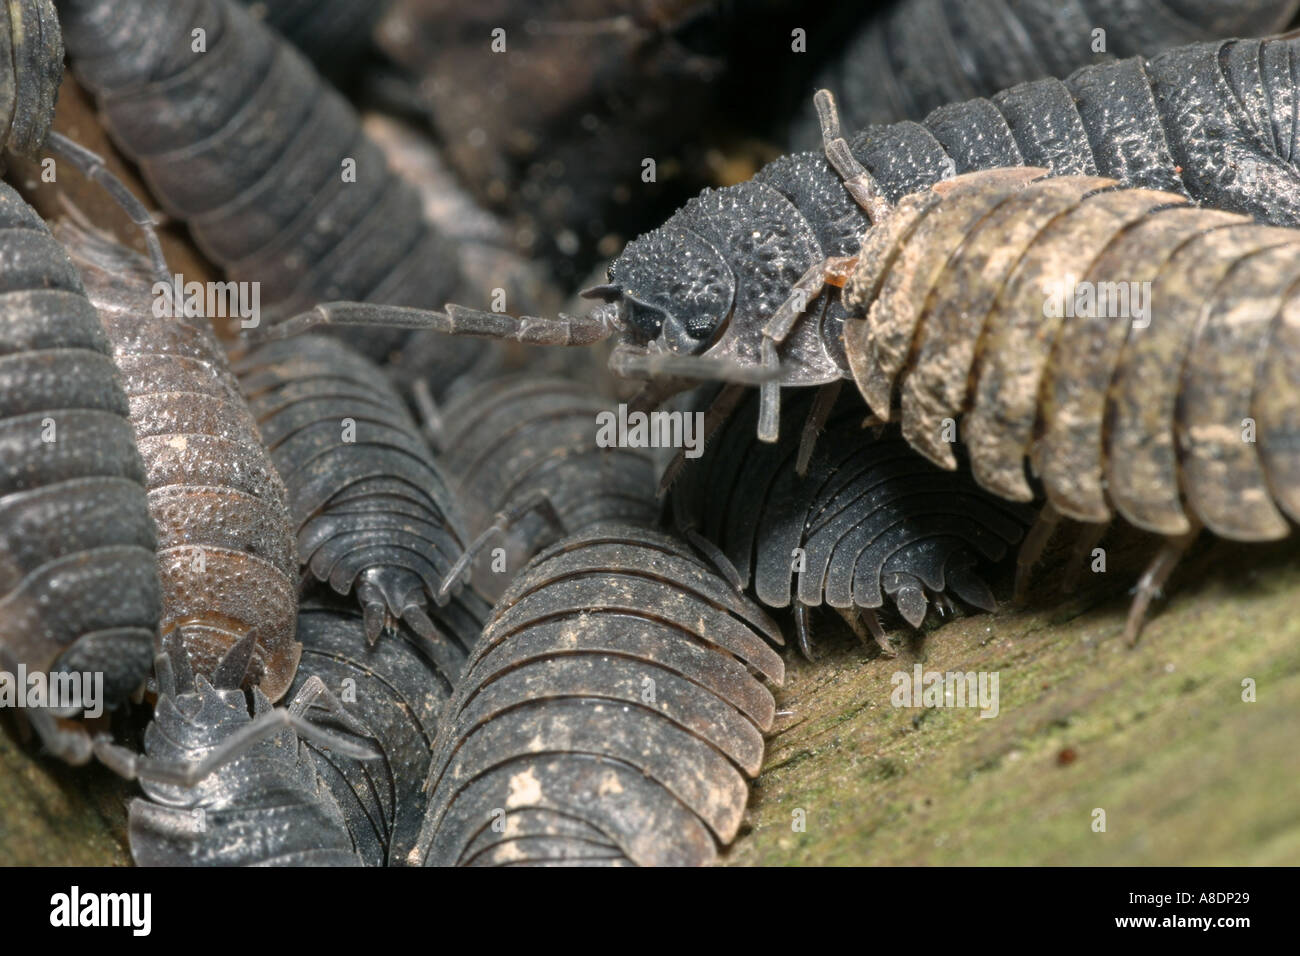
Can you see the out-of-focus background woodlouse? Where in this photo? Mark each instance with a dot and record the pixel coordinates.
(507, 148)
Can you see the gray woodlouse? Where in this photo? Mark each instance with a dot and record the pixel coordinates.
(224, 787)
(920, 54)
(252, 149)
(226, 553)
(397, 693)
(371, 510)
(865, 519)
(608, 715)
(512, 444)
(79, 585)
(1210, 121)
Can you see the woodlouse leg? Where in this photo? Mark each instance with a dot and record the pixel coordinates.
(91, 165)
(719, 410)
(865, 625)
(1152, 582)
(430, 416)
(71, 744)
(1081, 553)
(814, 423)
(631, 361)
(769, 397)
(860, 184)
(1031, 549)
(538, 501)
(685, 526)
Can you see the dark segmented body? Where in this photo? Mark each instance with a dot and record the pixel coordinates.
(246, 144)
(31, 51)
(869, 520)
(608, 715)
(920, 54)
(1147, 419)
(78, 575)
(372, 512)
(226, 554)
(510, 439)
(397, 694)
(266, 807)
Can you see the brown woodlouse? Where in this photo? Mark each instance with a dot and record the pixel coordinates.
(609, 714)
(79, 586)
(1184, 417)
(226, 554)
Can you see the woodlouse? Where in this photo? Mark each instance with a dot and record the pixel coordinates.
(226, 554)
(372, 513)
(608, 715)
(1180, 417)
(238, 136)
(1209, 121)
(226, 787)
(865, 519)
(514, 443)
(79, 588)
(920, 54)
(397, 693)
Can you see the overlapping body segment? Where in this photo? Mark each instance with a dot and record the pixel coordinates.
(79, 585)
(226, 555)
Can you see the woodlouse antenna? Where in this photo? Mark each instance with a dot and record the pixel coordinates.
(861, 185)
(91, 165)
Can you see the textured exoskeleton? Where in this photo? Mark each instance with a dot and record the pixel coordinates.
(1140, 352)
(868, 519)
(397, 693)
(238, 136)
(263, 805)
(920, 54)
(732, 279)
(31, 51)
(370, 508)
(79, 586)
(226, 554)
(509, 443)
(609, 714)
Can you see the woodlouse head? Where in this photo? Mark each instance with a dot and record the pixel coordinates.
(671, 286)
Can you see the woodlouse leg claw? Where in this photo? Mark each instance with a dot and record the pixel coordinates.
(1151, 585)
(538, 501)
(827, 395)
